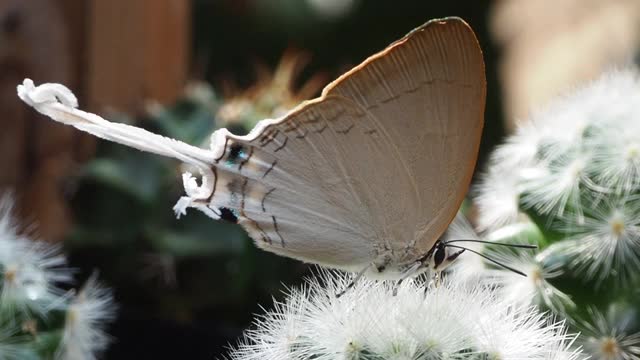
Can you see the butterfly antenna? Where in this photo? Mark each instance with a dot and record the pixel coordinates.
(489, 259)
(522, 246)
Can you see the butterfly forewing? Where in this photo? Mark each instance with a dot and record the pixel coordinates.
(379, 163)
(428, 93)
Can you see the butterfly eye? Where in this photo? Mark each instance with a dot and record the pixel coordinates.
(439, 255)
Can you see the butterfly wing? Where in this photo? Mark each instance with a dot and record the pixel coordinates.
(379, 163)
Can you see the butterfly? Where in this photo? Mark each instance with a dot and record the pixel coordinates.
(365, 178)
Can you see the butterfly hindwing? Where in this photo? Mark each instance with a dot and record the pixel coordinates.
(299, 188)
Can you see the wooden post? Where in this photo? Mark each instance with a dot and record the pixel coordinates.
(111, 53)
(137, 50)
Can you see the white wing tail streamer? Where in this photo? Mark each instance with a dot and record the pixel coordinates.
(59, 103)
(375, 167)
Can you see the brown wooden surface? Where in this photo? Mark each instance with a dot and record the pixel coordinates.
(113, 54)
(138, 50)
(35, 154)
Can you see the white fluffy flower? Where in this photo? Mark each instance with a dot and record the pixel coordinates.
(87, 316)
(532, 289)
(14, 346)
(557, 185)
(31, 270)
(513, 288)
(565, 351)
(575, 166)
(497, 198)
(369, 321)
(586, 139)
(607, 241)
(608, 337)
(30, 273)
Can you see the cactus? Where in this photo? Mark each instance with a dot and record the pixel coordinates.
(40, 320)
(568, 180)
(380, 320)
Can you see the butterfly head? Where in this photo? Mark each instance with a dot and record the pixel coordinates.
(443, 253)
(437, 259)
(440, 256)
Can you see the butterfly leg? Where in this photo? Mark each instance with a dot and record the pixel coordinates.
(434, 282)
(396, 286)
(437, 276)
(407, 274)
(354, 281)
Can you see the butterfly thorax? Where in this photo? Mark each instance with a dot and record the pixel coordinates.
(392, 264)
